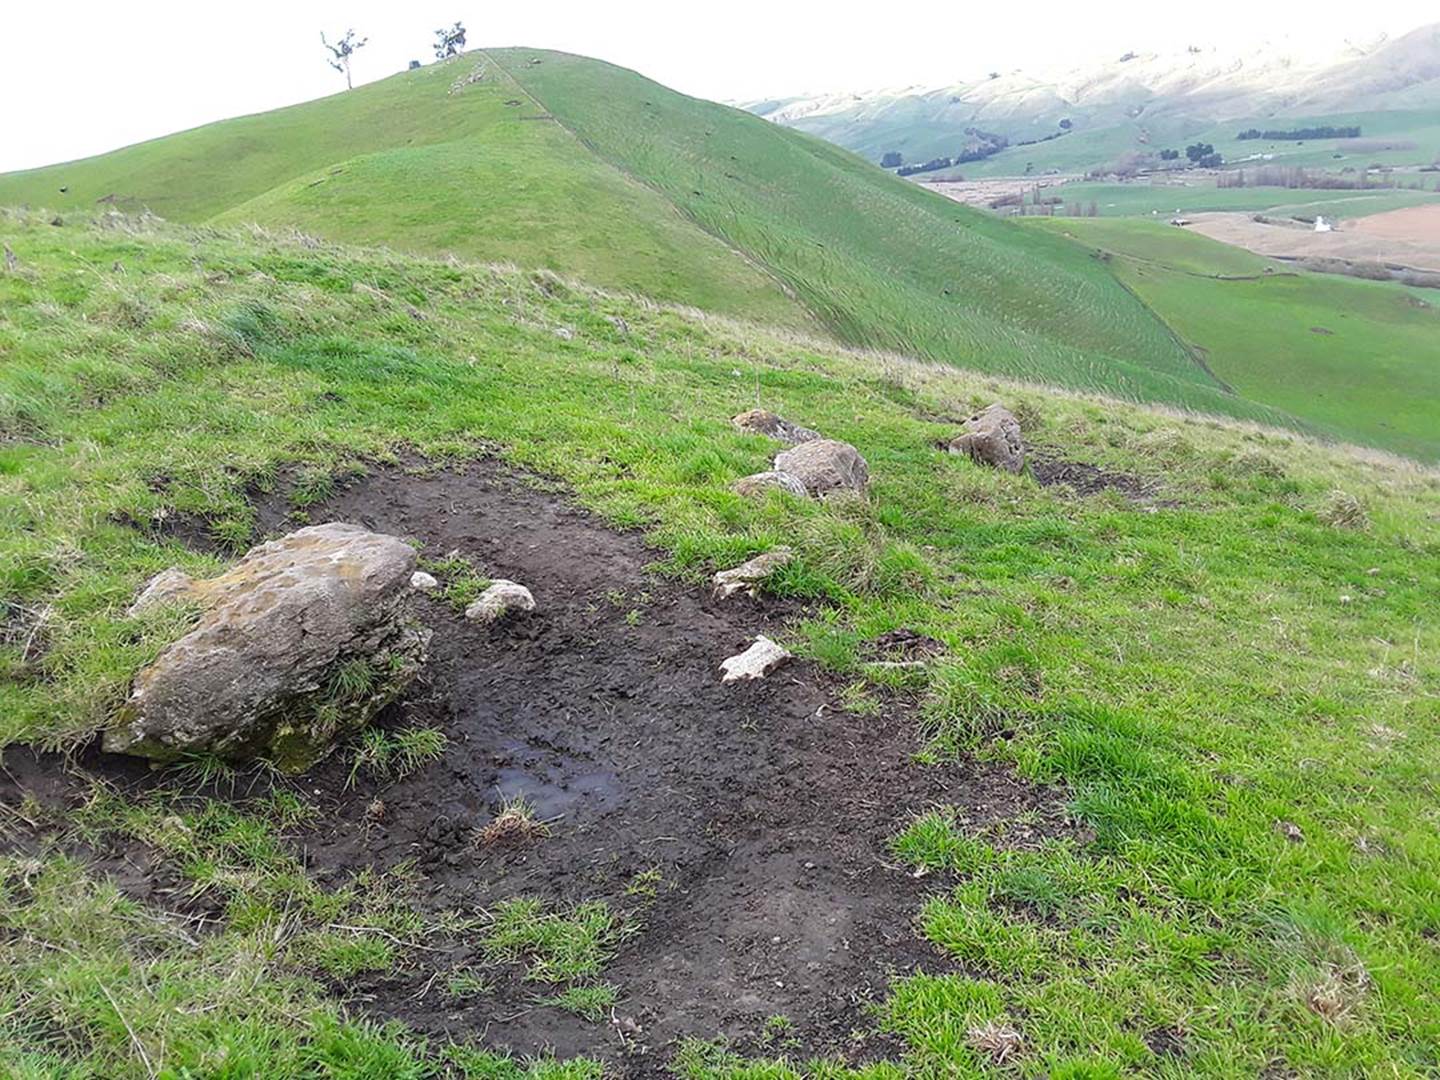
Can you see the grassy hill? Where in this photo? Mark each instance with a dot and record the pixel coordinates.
(1206, 691)
(416, 164)
(1355, 358)
(555, 161)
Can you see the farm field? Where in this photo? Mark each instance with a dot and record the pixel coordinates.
(1140, 199)
(1397, 238)
(1355, 358)
(1149, 789)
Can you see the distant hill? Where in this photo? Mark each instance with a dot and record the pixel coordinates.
(1135, 98)
(548, 160)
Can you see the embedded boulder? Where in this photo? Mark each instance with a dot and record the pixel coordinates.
(992, 437)
(748, 576)
(764, 422)
(303, 640)
(825, 466)
(756, 485)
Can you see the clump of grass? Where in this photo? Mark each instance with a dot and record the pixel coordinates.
(468, 983)
(345, 954)
(592, 1002)
(461, 581)
(394, 755)
(515, 825)
(558, 946)
(646, 884)
(1343, 511)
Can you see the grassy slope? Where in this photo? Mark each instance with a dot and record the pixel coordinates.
(1374, 378)
(885, 264)
(1194, 675)
(405, 163)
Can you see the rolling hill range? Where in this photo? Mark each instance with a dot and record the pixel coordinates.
(558, 162)
(1140, 99)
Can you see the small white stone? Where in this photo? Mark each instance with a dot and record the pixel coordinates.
(423, 581)
(761, 658)
(501, 598)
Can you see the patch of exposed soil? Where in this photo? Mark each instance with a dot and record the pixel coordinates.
(764, 807)
(1051, 470)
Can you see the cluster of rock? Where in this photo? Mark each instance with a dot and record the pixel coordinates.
(813, 467)
(307, 637)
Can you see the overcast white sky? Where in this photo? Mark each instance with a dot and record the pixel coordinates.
(82, 77)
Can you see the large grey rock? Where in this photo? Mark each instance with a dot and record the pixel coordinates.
(758, 484)
(825, 466)
(992, 437)
(305, 638)
(764, 422)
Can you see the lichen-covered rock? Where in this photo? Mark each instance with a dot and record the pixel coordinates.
(499, 599)
(761, 658)
(305, 638)
(992, 437)
(756, 485)
(825, 466)
(748, 576)
(764, 422)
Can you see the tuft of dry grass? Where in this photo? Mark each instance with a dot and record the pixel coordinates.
(1336, 993)
(996, 1040)
(515, 825)
(1344, 511)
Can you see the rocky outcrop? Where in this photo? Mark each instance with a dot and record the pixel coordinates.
(758, 484)
(764, 422)
(825, 466)
(498, 600)
(748, 576)
(992, 437)
(761, 658)
(303, 640)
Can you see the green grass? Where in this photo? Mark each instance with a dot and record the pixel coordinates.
(1357, 359)
(1257, 652)
(556, 947)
